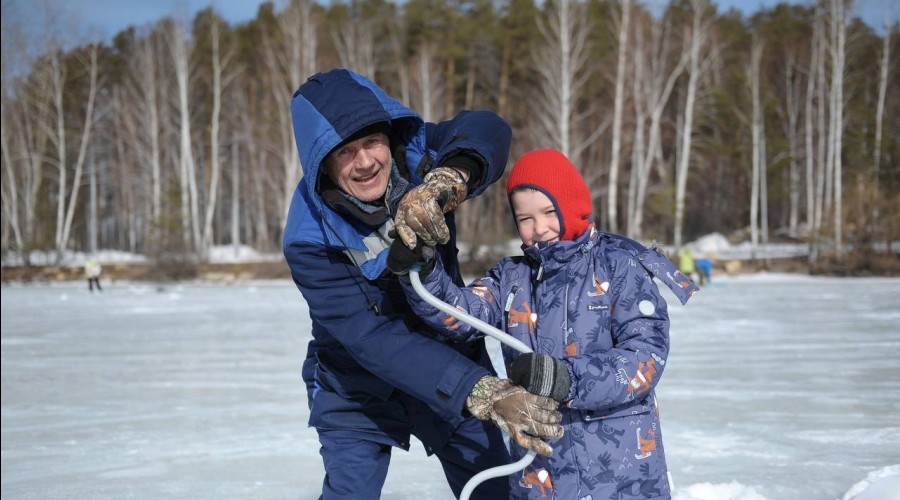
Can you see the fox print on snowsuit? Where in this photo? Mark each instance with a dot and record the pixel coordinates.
(374, 373)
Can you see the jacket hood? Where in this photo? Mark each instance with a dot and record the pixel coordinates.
(331, 107)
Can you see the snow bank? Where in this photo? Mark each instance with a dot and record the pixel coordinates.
(881, 484)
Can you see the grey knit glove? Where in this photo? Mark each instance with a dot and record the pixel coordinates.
(420, 214)
(542, 375)
(522, 415)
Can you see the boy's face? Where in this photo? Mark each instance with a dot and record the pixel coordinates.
(536, 217)
(361, 168)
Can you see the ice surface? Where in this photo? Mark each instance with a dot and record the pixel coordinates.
(777, 387)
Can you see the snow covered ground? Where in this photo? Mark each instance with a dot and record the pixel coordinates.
(777, 387)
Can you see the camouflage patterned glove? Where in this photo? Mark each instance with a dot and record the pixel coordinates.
(421, 211)
(522, 415)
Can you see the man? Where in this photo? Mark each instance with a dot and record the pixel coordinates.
(374, 372)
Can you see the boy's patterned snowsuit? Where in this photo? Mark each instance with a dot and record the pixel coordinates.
(591, 302)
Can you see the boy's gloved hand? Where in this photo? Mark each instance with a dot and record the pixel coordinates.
(401, 259)
(522, 415)
(542, 375)
(420, 215)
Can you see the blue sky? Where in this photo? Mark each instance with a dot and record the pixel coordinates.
(105, 18)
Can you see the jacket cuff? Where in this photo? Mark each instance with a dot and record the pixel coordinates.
(458, 380)
(473, 163)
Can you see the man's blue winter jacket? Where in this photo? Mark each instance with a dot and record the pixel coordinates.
(367, 347)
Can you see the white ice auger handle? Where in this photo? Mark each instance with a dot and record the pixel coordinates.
(503, 470)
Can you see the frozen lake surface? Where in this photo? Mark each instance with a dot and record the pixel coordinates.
(777, 387)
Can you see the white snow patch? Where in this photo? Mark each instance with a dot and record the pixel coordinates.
(709, 491)
(881, 484)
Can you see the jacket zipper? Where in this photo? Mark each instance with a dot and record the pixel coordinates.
(509, 303)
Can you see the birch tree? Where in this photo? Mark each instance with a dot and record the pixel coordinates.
(654, 82)
(425, 90)
(222, 75)
(67, 203)
(838, 36)
(354, 40)
(756, 132)
(290, 56)
(791, 116)
(809, 131)
(698, 36)
(612, 189)
(821, 165)
(14, 44)
(561, 62)
(879, 112)
(145, 82)
(190, 218)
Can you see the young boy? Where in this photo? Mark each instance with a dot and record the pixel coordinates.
(586, 303)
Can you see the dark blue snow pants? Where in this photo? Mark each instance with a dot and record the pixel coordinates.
(355, 467)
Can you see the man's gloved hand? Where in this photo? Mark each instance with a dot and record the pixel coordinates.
(542, 375)
(401, 259)
(420, 214)
(522, 415)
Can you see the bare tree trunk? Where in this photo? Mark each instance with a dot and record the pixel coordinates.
(561, 63)
(355, 43)
(10, 188)
(221, 79)
(294, 62)
(59, 139)
(402, 69)
(658, 89)
(839, 35)
(82, 152)
(764, 192)
(639, 143)
(147, 79)
(92, 204)
(188, 182)
(613, 189)
(449, 84)
(756, 128)
(879, 115)
(698, 38)
(810, 146)
(823, 136)
(235, 193)
(429, 94)
(505, 70)
(793, 115)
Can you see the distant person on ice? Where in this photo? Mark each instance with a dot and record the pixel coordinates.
(586, 303)
(374, 373)
(92, 271)
(686, 263)
(705, 268)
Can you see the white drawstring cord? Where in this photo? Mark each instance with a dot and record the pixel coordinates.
(503, 470)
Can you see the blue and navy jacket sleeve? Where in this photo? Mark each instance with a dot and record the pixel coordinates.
(342, 302)
(479, 135)
(478, 299)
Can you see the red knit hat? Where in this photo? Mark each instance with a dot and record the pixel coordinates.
(550, 172)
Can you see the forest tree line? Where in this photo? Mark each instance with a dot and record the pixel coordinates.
(176, 137)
